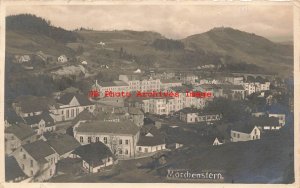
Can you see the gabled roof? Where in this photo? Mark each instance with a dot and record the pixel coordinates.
(62, 143)
(151, 137)
(124, 127)
(39, 150)
(66, 99)
(242, 127)
(94, 153)
(20, 131)
(34, 104)
(49, 121)
(12, 169)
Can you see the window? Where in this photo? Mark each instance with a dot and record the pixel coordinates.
(126, 142)
(77, 111)
(140, 148)
(120, 151)
(233, 134)
(72, 113)
(108, 159)
(81, 139)
(24, 156)
(50, 172)
(31, 163)
(23, 167)
(89, 139)
(68, 114)
(62, 112)
(238, 135)
(97, 139)
(105, 140)
(126, 152)
(146, 150)
(31, 172)
(120, 141)
(254, 131)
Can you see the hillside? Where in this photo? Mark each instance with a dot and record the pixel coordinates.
(243, 46)
(239, 51)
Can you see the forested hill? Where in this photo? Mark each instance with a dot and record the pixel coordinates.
(35, 25)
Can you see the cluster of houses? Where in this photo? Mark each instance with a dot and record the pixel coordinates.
(111, 129)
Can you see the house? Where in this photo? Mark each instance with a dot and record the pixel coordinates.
(244, 132)
(17, 135)
(193, 115)
(279, 112)
(41, 123)
(105, 87)
(235, 80)
(29, 105)
(188, 78)
(37, 160)
(13, 172)
(137, 82)
(216, 90)
(150, 140)
(62, 144)
(62, 59)
(11, 118)
(84, 63)
(265, 123)
(95, 157)
(234, 92)
(136, 116)
(70, 105)
(120, 137)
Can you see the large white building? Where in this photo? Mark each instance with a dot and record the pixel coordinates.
(120, 137)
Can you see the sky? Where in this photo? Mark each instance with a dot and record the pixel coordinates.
(173, 21)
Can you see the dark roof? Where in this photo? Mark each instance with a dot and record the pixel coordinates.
(49, 121)
(157, 139)
(94, 153)
(264, 121)
(12, 118)
(20, 131)
(277, 109)
(34, 104)
(66, 99)
(124, 127)
(12, 169)
(39, 150)
(62, 143)
(84, 115)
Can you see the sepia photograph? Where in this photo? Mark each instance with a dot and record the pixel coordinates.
(149, 93)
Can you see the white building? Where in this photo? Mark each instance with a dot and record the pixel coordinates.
(245, 133)
(62, 59)
(120, 137)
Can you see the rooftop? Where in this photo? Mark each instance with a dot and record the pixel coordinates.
(62, 143)
(125, 127)
(34, 104)
(39, 150)
(67, 98)
(12, 169)
(94, 153)
(20, 131)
